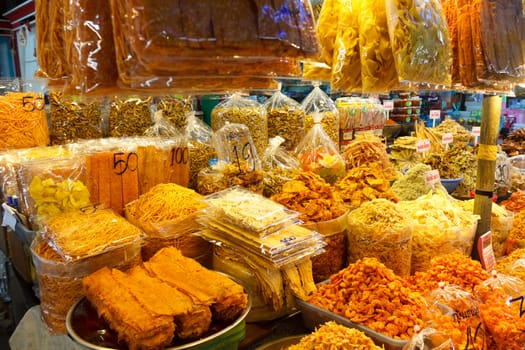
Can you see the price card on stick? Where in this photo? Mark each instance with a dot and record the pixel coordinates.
(423, 146)
(432, 177)
(485, 251)
(476, 131)
(434, 114)
(388, 105)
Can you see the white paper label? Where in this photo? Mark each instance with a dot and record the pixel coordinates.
(447, 138)
(435, 114)
(486, 253)
(423, 145)
(388, 105)
(476, 130)
(432, 177)
(9, 219)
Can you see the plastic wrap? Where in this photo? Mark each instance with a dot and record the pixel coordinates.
(319, 154)
(359, 117)
(238, 157)
(211, 179)
(200, 145)
(381, 230)
(378, 69)
(317, 101)
(130, 116)
(175, 109)
(23, 120)
(420, 41)
(285, 119)
(450, 11)
(51, 47)
(88, 40)
(279, 166)
(73, 118)
(346, 66)
(60, 281)
(429, 339)
(243, 110)
(161, 127)
(327, 26)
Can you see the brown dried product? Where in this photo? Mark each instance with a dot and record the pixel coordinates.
(515, 203)
(379, 229)
(516, 238)
(287, 122)
(175, 110)
(200, 155)
(73, 120)
(211, 180)
(275, 178)
(129, 117)
(368, 293)
(253, 117)
(330, 123)
(514, 144)
(453, 268)
(242, 175)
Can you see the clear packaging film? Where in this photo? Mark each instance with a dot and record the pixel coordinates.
(359, 116)
(162, 127)
(285, 118)
(73, 118)
(251, 211)
(130, 116)
(23, 120)
(429, 338)
(88, 41)
(317, 101)
(175, 109)
(420, 42)
(200, 146)
(279, 166)
(211, 179)
(327, 28)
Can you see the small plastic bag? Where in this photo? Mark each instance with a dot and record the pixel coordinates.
(162, 127)
(200, 145)
(175, 110)
(211, 179)
(317, 101)
(429, 338)
(243, 110)
(420, 41)
(279, 166)
(130, 116)
(327, 28)
(319, 154)
(285, 118)
(237, 151)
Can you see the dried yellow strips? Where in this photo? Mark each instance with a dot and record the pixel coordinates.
(370, 294)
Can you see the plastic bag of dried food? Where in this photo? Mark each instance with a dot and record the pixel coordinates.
(317, 101)
(130, 116)
(346, 65)
(236, 151)
(73, 118)
(279, 166)
(243, 110)
(327, 28)
(211, 179)
(378, 69)
(162, 127)
(200, 145)
(50, 43)
(380, 229)
(175, 109)
(285, 119)
(319, 154)
(460, 318)
(420, 41)
(90, 50)
(429, 338)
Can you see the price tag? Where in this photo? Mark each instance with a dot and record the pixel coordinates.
(432, 177)
(9, 218)
(388, 105)
(423, 145)
(447, 138)
(476, 130)
(486, 253)
(435, 114)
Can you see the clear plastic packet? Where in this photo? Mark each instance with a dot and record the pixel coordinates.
(450, 11)
(285, 119)
(420, 42)
(378, 69)
(317, 71)
(51, 186)
(429, 338)
(463, 322)
(130, 116)
(211, 179)
(200, 145)
(51, 47)
(175, 109)
(380, 229)
(319, 154)
(317, 101)
(90, 51)
(60, 281)
(238, 157)
(73, 118)
(327, 25)
(346, 65)
(23, 120)
(279, 166)
(162, 127)
(243, 110)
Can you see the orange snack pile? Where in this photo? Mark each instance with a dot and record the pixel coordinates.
(516, 238)
(516, 202)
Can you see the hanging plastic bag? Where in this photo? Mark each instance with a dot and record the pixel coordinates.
(200, 145)
(175, 110)
(319, 154)
(162, 127)
(285, 119)
(236, 149)
(317, 101)
(279, 166)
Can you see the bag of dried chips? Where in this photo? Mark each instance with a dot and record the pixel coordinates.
(200, 145)
(319, 154)
(162, 127)
(318, 101)
(279, 166)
